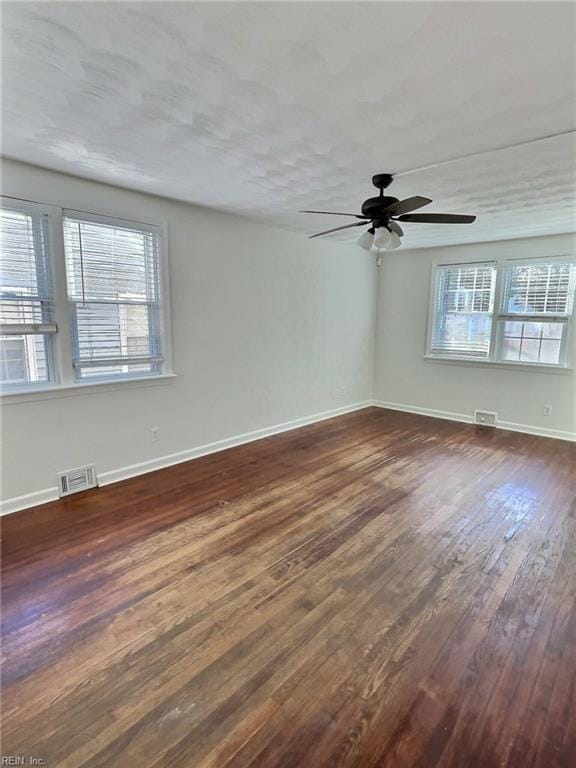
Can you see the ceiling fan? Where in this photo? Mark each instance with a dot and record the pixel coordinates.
(384, 213)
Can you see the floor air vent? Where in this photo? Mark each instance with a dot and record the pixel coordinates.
(75, 480)
(485, 418)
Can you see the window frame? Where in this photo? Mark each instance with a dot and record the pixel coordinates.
(156, 319)
(494, 358)
(65, 381)
(432, 315)
(39, 210)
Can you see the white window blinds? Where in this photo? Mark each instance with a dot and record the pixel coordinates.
(113, 276)
(26, 299)
(462, 312)
(539, 289)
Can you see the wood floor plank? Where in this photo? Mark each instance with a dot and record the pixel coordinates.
(380, 589)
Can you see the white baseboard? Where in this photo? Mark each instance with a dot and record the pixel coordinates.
(28, 500)
(423, 411)
(557, 434)
(18, 503)
(115, 475)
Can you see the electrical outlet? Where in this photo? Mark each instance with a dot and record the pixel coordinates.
(155, 434)
(547, 410)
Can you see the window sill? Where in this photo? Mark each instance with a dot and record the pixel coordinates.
(55, 391)
(523, 367)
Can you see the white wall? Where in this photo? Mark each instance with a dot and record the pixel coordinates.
(402, 377)
(268, 327)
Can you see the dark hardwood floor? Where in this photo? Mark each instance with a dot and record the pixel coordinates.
(381, 589)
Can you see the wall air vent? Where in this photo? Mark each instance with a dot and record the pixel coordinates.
(75, 480)
(485, 418)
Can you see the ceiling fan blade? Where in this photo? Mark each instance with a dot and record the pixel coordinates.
(337, 229)
(403, 206)
(439, 218)
(334, 213)
(393, 227)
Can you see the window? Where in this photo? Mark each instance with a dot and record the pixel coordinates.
(26, 298)
(515, 312)
(464, 303)
(113, 288)
(92, 283)
(537, 303)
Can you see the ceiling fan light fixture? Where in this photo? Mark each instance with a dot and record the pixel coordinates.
(366, 239)
(382, 238)
(394, 243)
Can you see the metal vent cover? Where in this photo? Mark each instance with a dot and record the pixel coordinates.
(485, 418)
(75, 480)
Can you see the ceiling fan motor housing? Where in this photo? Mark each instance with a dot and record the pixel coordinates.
(375, 205)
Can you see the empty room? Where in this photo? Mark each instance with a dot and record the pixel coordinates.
(288, 389)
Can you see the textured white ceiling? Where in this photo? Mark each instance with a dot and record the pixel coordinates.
(266, 108)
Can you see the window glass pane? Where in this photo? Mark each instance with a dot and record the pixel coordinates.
(26, 298)
(108, 330)
(106, 262)
(466, 335)
(23, 359)
(511, 348)
(552, 330)
(18, 253)
(463, 305)
(550, 351)
(531, 342)
(533, 329)
(531, 289)
(530, 351)
(25, 286)
(114, 288)
(513, 329)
